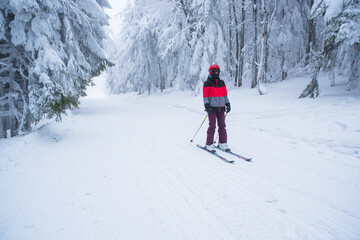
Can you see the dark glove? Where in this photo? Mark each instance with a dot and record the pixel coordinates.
(228, 108)
(207, 108)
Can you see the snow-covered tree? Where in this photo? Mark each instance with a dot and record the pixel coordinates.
(342, 41)
(60, 44)
(341, 52)
(138, 64)
(176, 39)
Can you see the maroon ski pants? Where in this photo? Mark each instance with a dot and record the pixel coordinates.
(220, 117)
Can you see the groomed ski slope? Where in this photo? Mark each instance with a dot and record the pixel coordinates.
(122, 167)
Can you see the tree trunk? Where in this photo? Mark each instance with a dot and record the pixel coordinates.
(10, 91)
(282, 65)
(237, 83)
(231, 54)
(264, 36)
(242, 44)
(332, 78)
(266, 50)
(312, 88)
(354, 81)
(255, 60)
(162, 79)
(311, 35)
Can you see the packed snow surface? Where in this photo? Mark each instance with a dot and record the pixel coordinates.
(123, 167)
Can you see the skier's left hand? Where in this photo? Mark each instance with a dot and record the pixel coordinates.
(228, 108)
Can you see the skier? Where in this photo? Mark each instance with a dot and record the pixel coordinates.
(216, 103)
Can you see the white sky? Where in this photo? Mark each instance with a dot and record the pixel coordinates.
(117, 6)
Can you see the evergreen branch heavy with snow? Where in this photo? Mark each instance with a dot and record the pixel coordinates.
(49, 51)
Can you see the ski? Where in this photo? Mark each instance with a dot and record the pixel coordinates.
(215, 154)
(235, 154)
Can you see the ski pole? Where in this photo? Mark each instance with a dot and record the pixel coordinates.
(218, 132)
(199, 128)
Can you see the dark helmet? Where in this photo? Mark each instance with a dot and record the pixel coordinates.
(213, 67)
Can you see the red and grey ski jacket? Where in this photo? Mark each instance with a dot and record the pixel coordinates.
(215, 94)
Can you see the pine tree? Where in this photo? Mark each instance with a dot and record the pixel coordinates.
(342, 39)
(179, 41)
(137, 61)
(342, 43)
(50, 52)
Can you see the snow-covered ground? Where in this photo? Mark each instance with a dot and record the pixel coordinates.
(122, 167)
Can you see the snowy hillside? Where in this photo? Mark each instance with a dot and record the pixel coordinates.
(123, 167)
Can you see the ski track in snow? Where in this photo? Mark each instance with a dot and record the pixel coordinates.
(122, 167)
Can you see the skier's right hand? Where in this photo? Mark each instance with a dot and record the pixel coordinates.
(207, 108)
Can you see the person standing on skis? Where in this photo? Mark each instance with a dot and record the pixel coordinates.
(216, 103)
